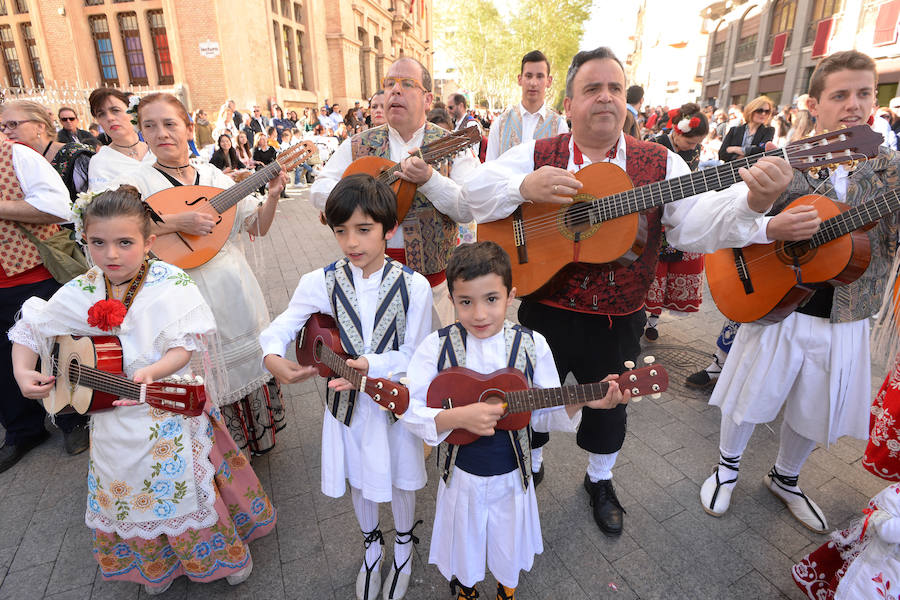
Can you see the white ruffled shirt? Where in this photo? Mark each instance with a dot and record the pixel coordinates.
(108, 165)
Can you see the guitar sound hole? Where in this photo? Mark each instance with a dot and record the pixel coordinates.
(792, 253)
(73, 371)
(317, 350)
(578, 217)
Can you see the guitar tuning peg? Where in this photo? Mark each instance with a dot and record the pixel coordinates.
(629, 364)
(404, 381)
(650, 359)
(656, 396)
(198, 379)
(635, 398)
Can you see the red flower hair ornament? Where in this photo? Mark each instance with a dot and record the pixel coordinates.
(106, 314)
(685, 126)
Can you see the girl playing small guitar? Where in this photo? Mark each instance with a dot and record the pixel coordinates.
(162, 487)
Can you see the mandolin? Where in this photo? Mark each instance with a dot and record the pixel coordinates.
(190, 251)
(90, 377)
(319, 345)
(435, 153)
(459, 386)
(767, 282)
(604, 225)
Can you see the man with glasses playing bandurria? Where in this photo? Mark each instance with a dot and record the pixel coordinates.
(428, 233)
(70, 131)
(752, 136)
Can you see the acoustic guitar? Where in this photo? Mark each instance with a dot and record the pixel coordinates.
(604, 225)
(90, 377)
(319, 345)
(459, 386)
(190, 251)
(767, 282)
(435, 154)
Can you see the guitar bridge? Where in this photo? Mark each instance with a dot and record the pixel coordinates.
(740, 263)
(519, 235)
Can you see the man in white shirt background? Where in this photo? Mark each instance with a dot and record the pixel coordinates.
(531, 119)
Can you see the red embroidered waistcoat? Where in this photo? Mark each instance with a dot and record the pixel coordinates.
(17, 254)
(610, 289)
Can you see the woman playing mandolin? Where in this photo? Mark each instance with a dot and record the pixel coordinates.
(251, 408)
(157, 507)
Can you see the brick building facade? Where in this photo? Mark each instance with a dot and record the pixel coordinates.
(771, 47)
(296, 53)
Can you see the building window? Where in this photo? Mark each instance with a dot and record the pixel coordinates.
(822, 9)
(379, 58)
(13, 68)
(717, 56)
(93, 2)
(161, 47)
(301, 74)
(103, 45)
(21, 7)
(298, 12)
(288, 39)
(363, 61)
(134, 52)
(748, 36)
(3, 11)
(286, 8)
(31, 49)
(783, 13)
(275, 6)
(278, 50)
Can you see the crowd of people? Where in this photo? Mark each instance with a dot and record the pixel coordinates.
(171, 494)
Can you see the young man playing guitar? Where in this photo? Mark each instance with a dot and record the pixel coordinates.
(428, 233)
(815, 362)
(594, 321)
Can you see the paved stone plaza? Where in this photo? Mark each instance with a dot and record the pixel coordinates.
(670, 548)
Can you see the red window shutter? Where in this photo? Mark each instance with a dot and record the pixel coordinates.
(886, 24)
(778, 49)
(823, 35)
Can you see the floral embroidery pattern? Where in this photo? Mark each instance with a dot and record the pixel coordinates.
(182, 278)
(882, 455)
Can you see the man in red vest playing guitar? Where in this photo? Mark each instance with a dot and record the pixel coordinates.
(594, 319)
(429, 231)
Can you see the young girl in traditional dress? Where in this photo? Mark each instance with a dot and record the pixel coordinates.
(168, 495)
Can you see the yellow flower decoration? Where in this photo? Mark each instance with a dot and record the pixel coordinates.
(142, 501)
(119, 489)
(163, 449)
(103, 499)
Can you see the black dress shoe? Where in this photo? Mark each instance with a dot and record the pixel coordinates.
(78, 440)
(607, 510)
(10, 455)
(651, 334)
(538, 476)
(701, 379)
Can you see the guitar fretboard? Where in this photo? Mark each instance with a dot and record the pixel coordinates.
(102, 381)
(535, 398)
(228, 198)
(662, 192)
(855, 218)
(339, 365)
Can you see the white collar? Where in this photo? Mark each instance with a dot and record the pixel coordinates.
(542, 111)
(358, 273)
(620, 151)
(415, 140)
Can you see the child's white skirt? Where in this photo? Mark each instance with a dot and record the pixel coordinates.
(482, 520)
(373, 453)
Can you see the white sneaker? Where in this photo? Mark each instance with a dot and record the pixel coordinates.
(805, 510)
(242, 575)
(368, 580)
(715, 494)
(155, 590)
(397, 581)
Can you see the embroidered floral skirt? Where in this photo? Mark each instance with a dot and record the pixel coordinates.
(254, 420)
(678, 285)
(883, 451)
(245, 514)
(820, 571)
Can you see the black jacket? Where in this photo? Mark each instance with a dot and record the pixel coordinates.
(65, 137)
(735, 137)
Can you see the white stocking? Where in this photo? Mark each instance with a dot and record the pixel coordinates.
(793, 451)
(733, 439)
(403, 505)
(367, 515)
(600, 466)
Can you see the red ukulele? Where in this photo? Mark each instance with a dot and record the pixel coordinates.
(319, 345)
(458, 386)
(90, 377)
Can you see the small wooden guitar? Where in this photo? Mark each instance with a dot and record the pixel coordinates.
(459, 386)
(190, 251)
(319, 345)
(767, 282)
(604, 224)
(90, 377)
(435, 153)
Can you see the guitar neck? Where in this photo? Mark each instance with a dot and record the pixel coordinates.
(662, 192)
(337, 364)
(432, 154)
(228, 198)
(104, 382)
(535, 398)
(855, 218)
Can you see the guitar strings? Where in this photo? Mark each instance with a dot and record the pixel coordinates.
(93, 378)
(618, 203)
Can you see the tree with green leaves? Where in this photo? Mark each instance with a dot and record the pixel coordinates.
(486, 46)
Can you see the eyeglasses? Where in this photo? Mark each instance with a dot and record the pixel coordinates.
(10, 125)
(67, 119)
(762, 111)
(407, 83)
